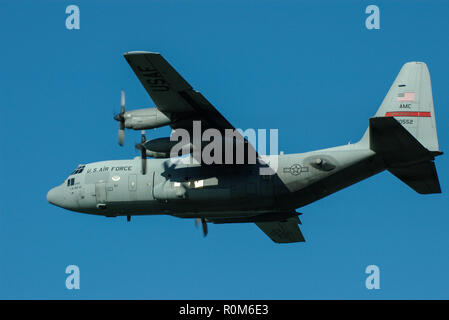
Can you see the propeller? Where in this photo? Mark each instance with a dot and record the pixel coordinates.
(204, 224)
(121, 119)
(143, 152)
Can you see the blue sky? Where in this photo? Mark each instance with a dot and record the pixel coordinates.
(308, 68)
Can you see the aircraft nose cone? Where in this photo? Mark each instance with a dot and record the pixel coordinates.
(59, 196)
(52, 196)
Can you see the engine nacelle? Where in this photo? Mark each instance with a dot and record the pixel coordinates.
(160, 147)
(148, 118)
(158, 155)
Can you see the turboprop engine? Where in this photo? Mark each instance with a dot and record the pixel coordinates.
(140, 119)
(161, 147)
(148, 118)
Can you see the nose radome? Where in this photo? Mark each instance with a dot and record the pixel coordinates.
(54, 196)
(61, 198)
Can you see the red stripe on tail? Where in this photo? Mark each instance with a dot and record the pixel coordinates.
(407, 114)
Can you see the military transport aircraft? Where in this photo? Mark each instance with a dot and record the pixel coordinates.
(401, 138)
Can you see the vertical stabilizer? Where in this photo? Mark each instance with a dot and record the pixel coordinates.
(410, 102)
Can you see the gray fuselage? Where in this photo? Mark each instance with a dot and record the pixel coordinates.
(179, 188)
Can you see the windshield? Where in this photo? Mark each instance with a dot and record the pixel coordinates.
(78, 170)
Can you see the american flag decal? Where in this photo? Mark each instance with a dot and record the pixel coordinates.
(406, 96)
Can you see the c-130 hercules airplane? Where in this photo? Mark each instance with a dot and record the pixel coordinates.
(400, 138)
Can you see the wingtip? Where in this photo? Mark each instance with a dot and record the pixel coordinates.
(130, 53)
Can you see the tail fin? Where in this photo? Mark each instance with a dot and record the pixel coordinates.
(403, 130)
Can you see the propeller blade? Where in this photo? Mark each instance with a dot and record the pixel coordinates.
(121, 136)
(144, 165)
(143, 152)
(122, 102)
(121, 119)
(203, 221)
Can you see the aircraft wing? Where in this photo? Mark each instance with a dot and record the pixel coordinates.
(172, 95)
(282, 231)
(281, 227)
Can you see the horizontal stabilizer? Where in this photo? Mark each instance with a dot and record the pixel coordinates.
(421, 177)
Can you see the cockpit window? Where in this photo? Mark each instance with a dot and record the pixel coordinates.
(78, 170)
(70, 182)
